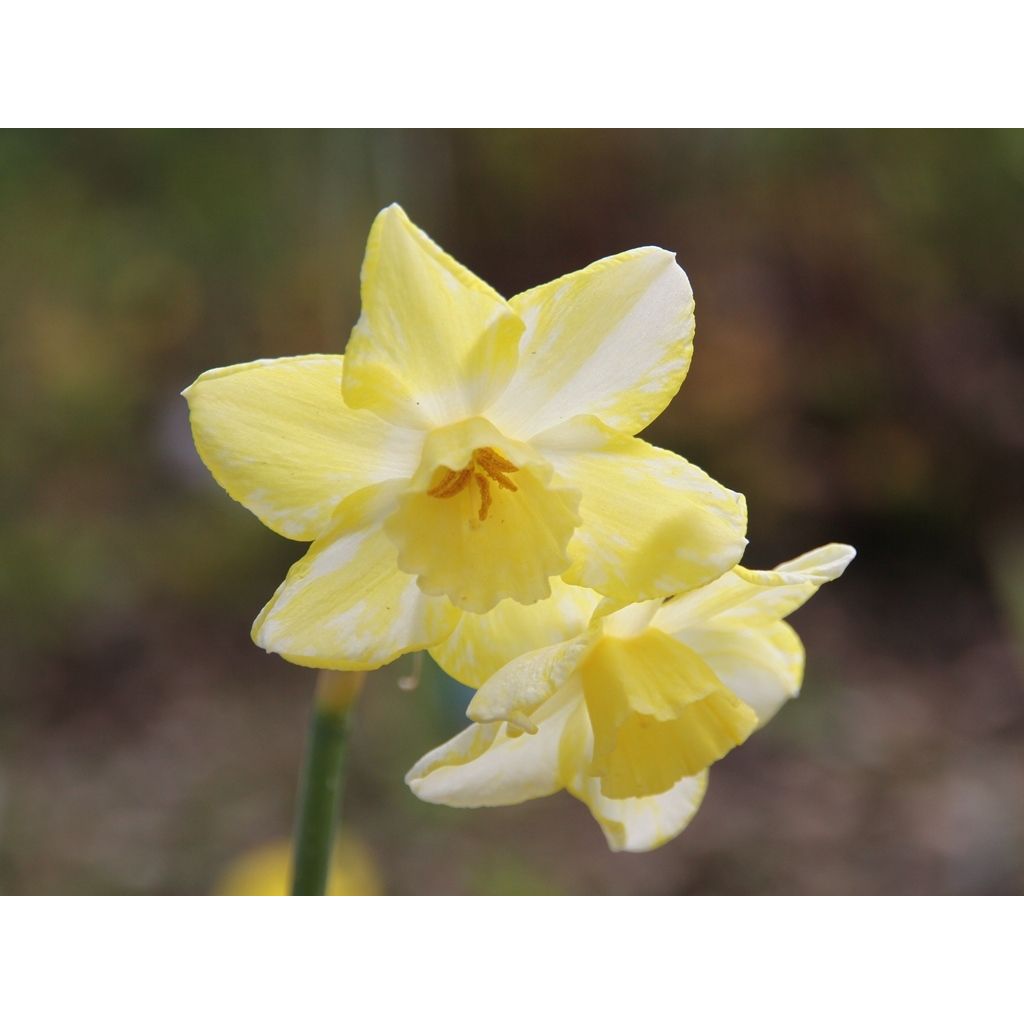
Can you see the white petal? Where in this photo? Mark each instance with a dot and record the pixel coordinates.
(515, 690)
(750, 596)
(613, 340)
(486, 767)
(643, 823)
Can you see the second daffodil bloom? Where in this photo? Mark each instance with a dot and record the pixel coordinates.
(629, 714)
(468, 453)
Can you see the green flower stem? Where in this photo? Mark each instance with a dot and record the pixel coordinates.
(322, 777)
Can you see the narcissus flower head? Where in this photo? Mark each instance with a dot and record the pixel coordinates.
(468, 452)
(630, 713)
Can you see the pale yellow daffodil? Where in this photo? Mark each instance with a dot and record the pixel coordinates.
(469, 453)
(629, 714)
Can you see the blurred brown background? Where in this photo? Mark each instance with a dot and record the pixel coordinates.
(859, 375)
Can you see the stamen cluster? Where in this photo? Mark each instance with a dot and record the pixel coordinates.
(485, 465)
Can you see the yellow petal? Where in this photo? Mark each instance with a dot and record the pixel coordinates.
(434, 343)
(626, 620)
(613, 340)
(762, 665)
(515, 692)
(751, 597)
(642, 823)
(480, 645)
(633, 823)
(346, 605)
(782, 590)
(278, 437)
(652, 523)
(476, 534)
(658, 713)
(486, 766)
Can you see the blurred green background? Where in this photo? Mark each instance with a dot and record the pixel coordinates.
(858, 374)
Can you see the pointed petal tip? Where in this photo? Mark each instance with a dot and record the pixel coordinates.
(393, 211)
(188, 393)
(846, 552)
(832, 559)
(670, 254)
(392, 217)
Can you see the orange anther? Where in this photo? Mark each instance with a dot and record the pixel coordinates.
(485, 495)
(494, 467)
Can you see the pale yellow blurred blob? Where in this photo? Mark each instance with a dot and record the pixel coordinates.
(267, 870)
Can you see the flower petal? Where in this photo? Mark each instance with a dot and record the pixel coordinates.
(658, 713)
(751, 596)
(515, 692)
(278, 437)
(653, 524)
(633, 823)
(346, 605)
(642, 823)
(763, 666)
(613, 340)
(480, 645)
(434, 344)
(486, 766)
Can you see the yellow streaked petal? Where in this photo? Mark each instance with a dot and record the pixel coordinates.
(637, 824)
(652, 523)
(762, 665)
(756, 596)
(278, 437)
(486, 766)
(515, 692)
(434, 343)
(346, 605)
(613, 340)
(626, 620)
(658, 713)
(480, 645)
(633, 823)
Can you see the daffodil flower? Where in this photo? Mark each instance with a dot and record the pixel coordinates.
(469, 453)
(629, 714)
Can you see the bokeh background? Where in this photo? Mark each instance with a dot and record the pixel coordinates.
(859, 375)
